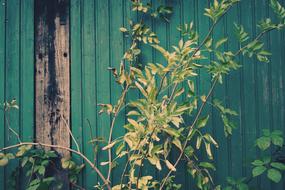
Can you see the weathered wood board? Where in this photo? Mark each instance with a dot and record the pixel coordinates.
(52, 76)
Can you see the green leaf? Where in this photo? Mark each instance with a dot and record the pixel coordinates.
(202, 122)
(120, 148)
(274, 175)
(240, 33)
(42, 170)
(10, 156)
(277, 8)
(207, 165)
(4, 161)
(170, 166)
(242, 186)
(263, 142)
(258, 170)
(198, 142)
(257, 163)
(172, 132)
(221, 42)
(141, 89)
(208, 150)
(277, 140)
(278, 165)
(211, 140)
(122, 29)
(189, 150)
(109, 145)
(209, 42)
(177, 143)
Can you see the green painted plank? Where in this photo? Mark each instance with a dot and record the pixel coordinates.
(248, 102)
(275, 64)
(88, 84)
(76, 76)
(203, 81)
(27, 70)
(188, 15)
(160, 28)
(233, 98)
(173, 39)
(282, 68)
(117, 51)
(263, 86)
(26, 75)
(222, 153)
(102, 75)
(2, 83)
(12, 73)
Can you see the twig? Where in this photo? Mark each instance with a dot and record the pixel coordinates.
(202, 107)
(92, 137)
(76, 186)
(15, 133)
(70, 133)
(122, 98)
(161, 84)
(140, 173)
(260, 35)
(190, 130)
(63, 148)
(198, 49)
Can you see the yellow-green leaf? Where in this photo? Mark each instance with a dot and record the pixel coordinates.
(202, 122)
(170, 166)
(177, 143)
(109, 145)
(4, 161)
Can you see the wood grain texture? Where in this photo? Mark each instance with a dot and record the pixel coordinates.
(52, 72)
(12, 77)
(2, 83)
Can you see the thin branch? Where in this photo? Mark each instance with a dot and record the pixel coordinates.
(140, 173)
(92, 137)
(202, 107)
(16, 134)
(190, 130)
(122, 98)
(63, 148)
(161, 84)
(70, 133)
(198, 49)
(260, 35)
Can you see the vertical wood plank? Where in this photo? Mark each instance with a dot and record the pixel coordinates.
(89, 88)
(222, 153)
(26, 75)
(233, 92)
(248, 96)
(27, 70)
(173, 39)
(275, 45)
(12, 81)
(76, 76)
(102, 74)
(161, 29)
(263, 85)
(188, 16)
(52, 72)
(2, 82)
(116, 53)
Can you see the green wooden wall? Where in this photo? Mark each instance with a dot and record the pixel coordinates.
(16, 73)
(256, 91)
